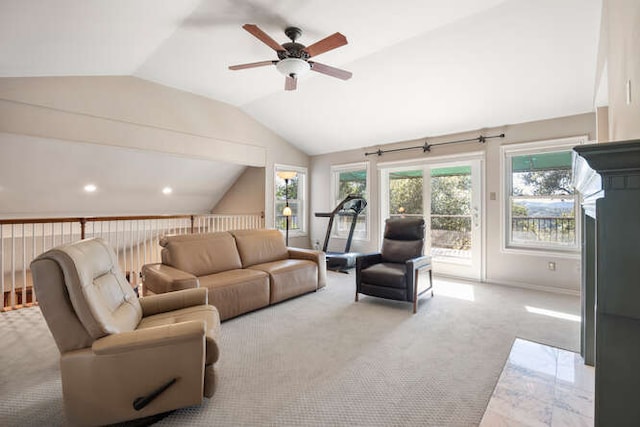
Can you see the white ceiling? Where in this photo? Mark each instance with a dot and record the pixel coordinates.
(421, 67)
(128, 181)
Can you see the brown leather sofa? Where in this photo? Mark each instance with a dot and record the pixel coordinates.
(121, 357)
(244, 270)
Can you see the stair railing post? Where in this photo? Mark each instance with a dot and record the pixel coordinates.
(83, 225)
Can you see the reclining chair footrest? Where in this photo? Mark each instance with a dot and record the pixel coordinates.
(140, 402)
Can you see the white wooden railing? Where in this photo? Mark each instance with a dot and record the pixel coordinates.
(134, 238)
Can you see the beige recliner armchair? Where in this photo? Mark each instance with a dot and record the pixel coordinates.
(122, 357)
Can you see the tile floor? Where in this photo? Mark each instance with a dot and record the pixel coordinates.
(542, 386)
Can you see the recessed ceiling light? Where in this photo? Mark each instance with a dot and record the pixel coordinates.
(167, 190)
(90, 188)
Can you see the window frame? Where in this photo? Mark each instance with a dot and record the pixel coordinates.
(507, 152)
(336, 170)
(303, 203)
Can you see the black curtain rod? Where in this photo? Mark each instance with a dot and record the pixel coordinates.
(427, 147)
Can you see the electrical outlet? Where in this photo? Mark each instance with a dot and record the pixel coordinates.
(551, 266)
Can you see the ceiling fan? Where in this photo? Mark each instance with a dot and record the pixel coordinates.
(293, 58)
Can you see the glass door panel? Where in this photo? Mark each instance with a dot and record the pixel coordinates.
(451, 238)
(455, 190)
(405, 193)
(450, 201)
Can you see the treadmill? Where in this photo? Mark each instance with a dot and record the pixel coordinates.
(352, 206)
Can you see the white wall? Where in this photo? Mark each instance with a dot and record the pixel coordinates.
(501, 267)
(622, 52)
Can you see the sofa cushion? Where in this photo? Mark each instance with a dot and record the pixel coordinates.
(401, 250)
(260, 246)
(201, 254)
(100, 295)
(387, 274)
(403, 239)
(235, 292)
(290, 277)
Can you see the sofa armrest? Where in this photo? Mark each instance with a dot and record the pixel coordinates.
(418, 263)
(413, 266)
(318, 257)
(160, 278)
(367, 260)
(161, 303)
(150, 338)
(362, 262)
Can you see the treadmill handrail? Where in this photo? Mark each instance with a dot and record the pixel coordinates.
(339, 207)
(331, 217)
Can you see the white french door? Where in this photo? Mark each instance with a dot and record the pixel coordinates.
(448, 194)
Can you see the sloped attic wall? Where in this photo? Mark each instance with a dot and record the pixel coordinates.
(88, 113)
(45, 177)
(246, 195)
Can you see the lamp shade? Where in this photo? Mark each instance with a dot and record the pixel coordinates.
(287, 174)
(286, 211)
(293, 67)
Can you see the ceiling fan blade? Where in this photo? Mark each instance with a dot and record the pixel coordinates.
(330, 71)
(326, 44)
(252, 65)
(290, 83)
(263, 37)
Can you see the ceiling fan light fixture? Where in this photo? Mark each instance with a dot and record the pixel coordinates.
(293, 57)
(293, 67)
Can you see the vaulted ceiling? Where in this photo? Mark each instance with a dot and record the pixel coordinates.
(420, 67)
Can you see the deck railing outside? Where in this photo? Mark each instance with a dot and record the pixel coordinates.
(560, 230)
(451, 234)
(135, 239)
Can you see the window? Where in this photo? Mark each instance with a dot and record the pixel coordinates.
(290, 188)
(541, 203)
(351, 179)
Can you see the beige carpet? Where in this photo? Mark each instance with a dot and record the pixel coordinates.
(322, 359)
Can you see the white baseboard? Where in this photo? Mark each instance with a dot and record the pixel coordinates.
(551, 289)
